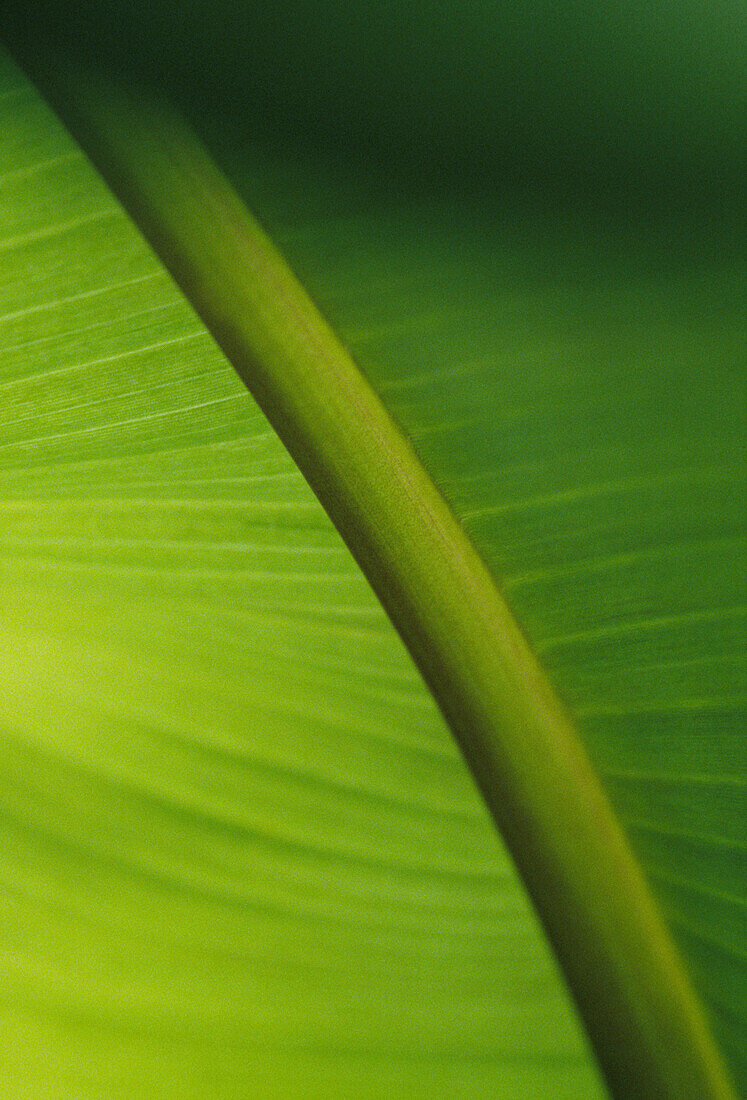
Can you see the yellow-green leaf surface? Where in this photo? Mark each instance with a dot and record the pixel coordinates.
(241, 854)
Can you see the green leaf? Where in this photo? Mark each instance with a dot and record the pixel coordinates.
(577, 394)
(535, 372)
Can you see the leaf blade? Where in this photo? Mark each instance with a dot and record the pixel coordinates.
(220, 873)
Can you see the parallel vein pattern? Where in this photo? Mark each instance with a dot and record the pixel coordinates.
(224, 871)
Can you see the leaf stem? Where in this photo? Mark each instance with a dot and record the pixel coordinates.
(643, 1018)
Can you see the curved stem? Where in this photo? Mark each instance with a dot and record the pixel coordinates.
(641, 1014)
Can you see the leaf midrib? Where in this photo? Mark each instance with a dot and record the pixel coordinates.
(640, 1012)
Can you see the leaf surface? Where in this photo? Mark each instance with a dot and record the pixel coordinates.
(576, 390)
(241, 853)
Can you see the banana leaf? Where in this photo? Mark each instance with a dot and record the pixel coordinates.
(243, 853)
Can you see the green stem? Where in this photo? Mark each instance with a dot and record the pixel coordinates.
(640, 1012)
